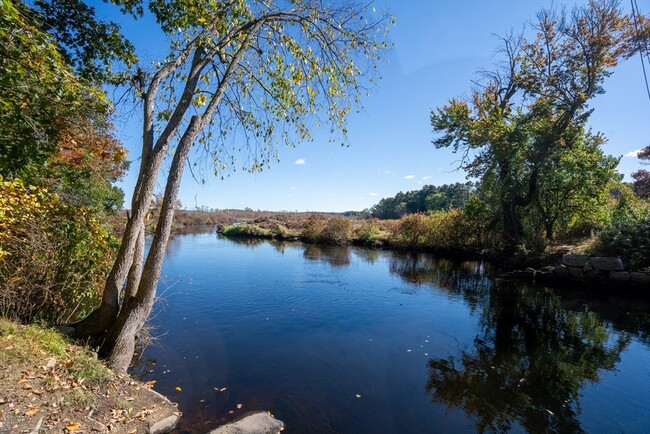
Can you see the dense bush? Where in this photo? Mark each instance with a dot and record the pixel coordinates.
(53, 257)
(334, 230)
(246, 230)
(370, 233)
(628, 235)
(448, 231)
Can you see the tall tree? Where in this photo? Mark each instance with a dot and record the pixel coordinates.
(240, 77)
(536, 104)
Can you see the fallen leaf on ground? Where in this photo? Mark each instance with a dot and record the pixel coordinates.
(240, 405)
(72, 426)
(149, 384)
(32, 411)
(231, 412)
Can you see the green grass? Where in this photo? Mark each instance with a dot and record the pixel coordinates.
(36, 344)
(26, 342)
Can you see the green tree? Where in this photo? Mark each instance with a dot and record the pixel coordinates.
(240, 77)
(536, 106)
(574, 185)
(54, 127)
(641, 184)
(428, 198)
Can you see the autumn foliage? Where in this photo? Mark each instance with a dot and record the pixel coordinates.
(58, 159)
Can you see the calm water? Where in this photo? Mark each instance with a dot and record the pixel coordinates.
(349, 340)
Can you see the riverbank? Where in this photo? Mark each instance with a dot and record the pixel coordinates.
(50, 385)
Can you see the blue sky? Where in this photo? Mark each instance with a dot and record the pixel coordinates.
(439, 45)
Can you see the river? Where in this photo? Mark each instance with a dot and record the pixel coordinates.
(353, 340)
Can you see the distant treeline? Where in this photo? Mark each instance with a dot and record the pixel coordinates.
(428, 198)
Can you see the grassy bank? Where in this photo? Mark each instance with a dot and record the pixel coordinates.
(49, 385)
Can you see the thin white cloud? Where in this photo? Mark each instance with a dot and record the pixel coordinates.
(374, 194)
(633, 154)
(292, 188)
(300, 161)
(425, 178)
(409, 177)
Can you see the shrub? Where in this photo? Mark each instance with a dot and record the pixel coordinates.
(413, 231)
(246, 230)
(334, 230)
(628, 235)
(53, 257)
(313, 228)
(337, 230)
(370, 234)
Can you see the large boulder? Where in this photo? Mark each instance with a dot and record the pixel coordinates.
(252, 423)
(573, 260)
(607, 263)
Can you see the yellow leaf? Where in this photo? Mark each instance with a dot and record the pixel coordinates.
(178, 388)
(72, 426)
(149, 384)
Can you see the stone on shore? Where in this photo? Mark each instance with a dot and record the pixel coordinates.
(573, 260)
(252, 423)
(607, 263)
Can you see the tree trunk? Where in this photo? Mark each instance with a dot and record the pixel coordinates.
(103, 317)
(119, 344)
(513, 230)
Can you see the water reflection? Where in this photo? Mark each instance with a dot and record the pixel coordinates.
(528, 363)
(336, 256)
(491, 354)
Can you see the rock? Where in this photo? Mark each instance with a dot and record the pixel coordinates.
(573, 260)
(548, 269)
(595, 275)
(607, 263)
(640, 277)
(619, 276)
(576, 273)
(546, 275)
(561, 271)
(588, 267)
(252, 423)
(166, 419)
(163, 426)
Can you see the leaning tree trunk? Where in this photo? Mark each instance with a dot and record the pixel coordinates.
(101, 319)
(119, 344)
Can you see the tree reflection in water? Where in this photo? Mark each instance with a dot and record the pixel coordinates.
(336, 256)
(532, 354)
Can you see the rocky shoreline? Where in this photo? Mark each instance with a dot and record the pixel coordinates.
(584, 268)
